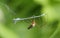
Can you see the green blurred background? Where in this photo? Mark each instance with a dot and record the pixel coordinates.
(47, 26)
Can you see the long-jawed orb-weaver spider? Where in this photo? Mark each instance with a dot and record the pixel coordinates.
(32, 24)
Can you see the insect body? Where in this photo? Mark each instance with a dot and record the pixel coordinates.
(32, 25)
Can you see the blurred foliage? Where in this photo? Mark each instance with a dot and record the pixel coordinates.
(47, 26)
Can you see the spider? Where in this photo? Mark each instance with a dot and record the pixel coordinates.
(32, 24)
